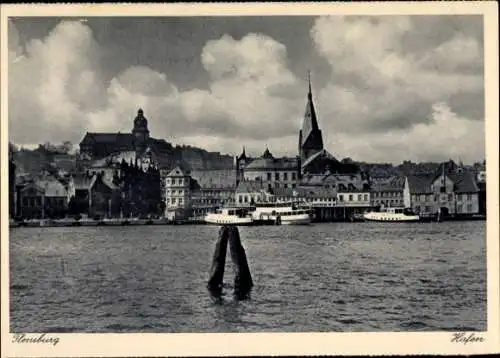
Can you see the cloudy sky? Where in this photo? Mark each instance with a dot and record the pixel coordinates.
(386, 89)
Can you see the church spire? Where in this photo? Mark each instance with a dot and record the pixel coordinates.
(310, 138)
(309, 94)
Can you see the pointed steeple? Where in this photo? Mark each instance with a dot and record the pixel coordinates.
(310, 137)
(243, 155)
(309, 94)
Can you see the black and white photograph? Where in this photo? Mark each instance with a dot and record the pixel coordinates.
(226, 172)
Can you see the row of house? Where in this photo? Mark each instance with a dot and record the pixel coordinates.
(451, 190)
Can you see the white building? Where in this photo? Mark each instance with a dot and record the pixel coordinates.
(178, 194)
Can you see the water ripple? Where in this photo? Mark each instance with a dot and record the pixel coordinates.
(325, 277)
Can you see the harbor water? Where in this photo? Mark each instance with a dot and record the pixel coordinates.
(343, 277)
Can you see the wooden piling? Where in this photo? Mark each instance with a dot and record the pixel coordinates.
(242, 278)
(215, 281)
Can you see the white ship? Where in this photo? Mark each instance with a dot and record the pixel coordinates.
(280, 214)
(392, 215)
(229, 216)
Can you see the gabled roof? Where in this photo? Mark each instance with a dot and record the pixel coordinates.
(178, 172)
(420, 183)
(83, 182)
(52, 187)
(464, 182)
(33, 185)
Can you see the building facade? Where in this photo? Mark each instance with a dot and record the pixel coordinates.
(270, 171)
(451, 191)
(388, 193)
(178, 194)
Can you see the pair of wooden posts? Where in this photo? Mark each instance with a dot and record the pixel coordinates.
(242, 278)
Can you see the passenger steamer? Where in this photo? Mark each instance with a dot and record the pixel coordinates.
(392, 215)
(281, 214)
(261, 214)
(229, 216)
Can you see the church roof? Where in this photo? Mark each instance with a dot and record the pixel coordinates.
(108, 138)
(322, 153)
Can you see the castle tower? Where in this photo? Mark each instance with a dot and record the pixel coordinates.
(140, 130)
(310, 137)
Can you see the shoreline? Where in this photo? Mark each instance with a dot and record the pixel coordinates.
(165, 222)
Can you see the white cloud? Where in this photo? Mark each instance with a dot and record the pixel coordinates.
(443, 136)
(379, 83)
(381, 93)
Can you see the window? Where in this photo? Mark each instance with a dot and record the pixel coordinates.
(469, 197)
(341, 197)
(269, 176)
(442, 189)
(285, 185)
(180, 181)
(459, 208)
(173, 181)
(365, 197)
(350, 197)
(469, 208)
(294, 185)
(285, 176)
(181, 192)
(276, 176)
(360, 197)
(276, 185)
(245, 199)
(422, 197)
(180, 200)
(450, 197)
(168, 181)
(294, 176)
(173, 200)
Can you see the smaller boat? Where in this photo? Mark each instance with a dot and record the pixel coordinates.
(394, 214)
(229, 216)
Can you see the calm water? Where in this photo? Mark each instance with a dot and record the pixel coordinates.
(324, 277)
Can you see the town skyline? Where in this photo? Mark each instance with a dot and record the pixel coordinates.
(207, 91)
